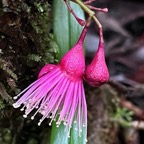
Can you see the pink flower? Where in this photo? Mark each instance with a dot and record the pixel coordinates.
(96, 72)
(59, 91)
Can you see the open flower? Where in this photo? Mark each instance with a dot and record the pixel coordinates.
(96, 72)
(58, 93)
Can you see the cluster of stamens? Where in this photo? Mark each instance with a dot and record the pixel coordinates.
(55, 87)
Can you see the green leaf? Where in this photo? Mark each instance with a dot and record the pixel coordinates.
(66, 28)
(66, 32)
(59, 135)
(75, 138)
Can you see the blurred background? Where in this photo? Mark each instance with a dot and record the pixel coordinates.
(123, 28)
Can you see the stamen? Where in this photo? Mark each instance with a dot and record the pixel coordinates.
(25, 116)
(32, 118)
(39, 123)
(22, 109)
(15, 97)
(15, 105)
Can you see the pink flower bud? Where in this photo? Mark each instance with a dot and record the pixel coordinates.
(96, 72)
(47, 68)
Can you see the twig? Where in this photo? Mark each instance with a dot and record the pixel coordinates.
(137, 111)
(137, 124)
(132, 136)
(120, 88)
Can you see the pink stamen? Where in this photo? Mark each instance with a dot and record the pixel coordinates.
(59, 90)
(46, 69)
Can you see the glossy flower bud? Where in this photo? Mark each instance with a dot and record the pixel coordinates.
(96, 72)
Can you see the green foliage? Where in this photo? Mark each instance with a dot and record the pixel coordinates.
(66, 28)
(34, 57)
(43, 37)
(7, 67)
(6, 136)
(26, 45)
(66, 32)
(123, 116)
(2, 105)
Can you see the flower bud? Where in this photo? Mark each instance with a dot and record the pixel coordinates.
(47, 68)
(96, 72)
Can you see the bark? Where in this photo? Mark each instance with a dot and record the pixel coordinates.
(101, 106)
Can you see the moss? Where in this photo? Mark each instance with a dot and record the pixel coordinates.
(26, 45)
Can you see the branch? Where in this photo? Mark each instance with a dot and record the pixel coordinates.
(137, 111)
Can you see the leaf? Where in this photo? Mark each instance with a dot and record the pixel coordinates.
(66, 32)
(75, 138)
(59, 135)
(66, 28)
